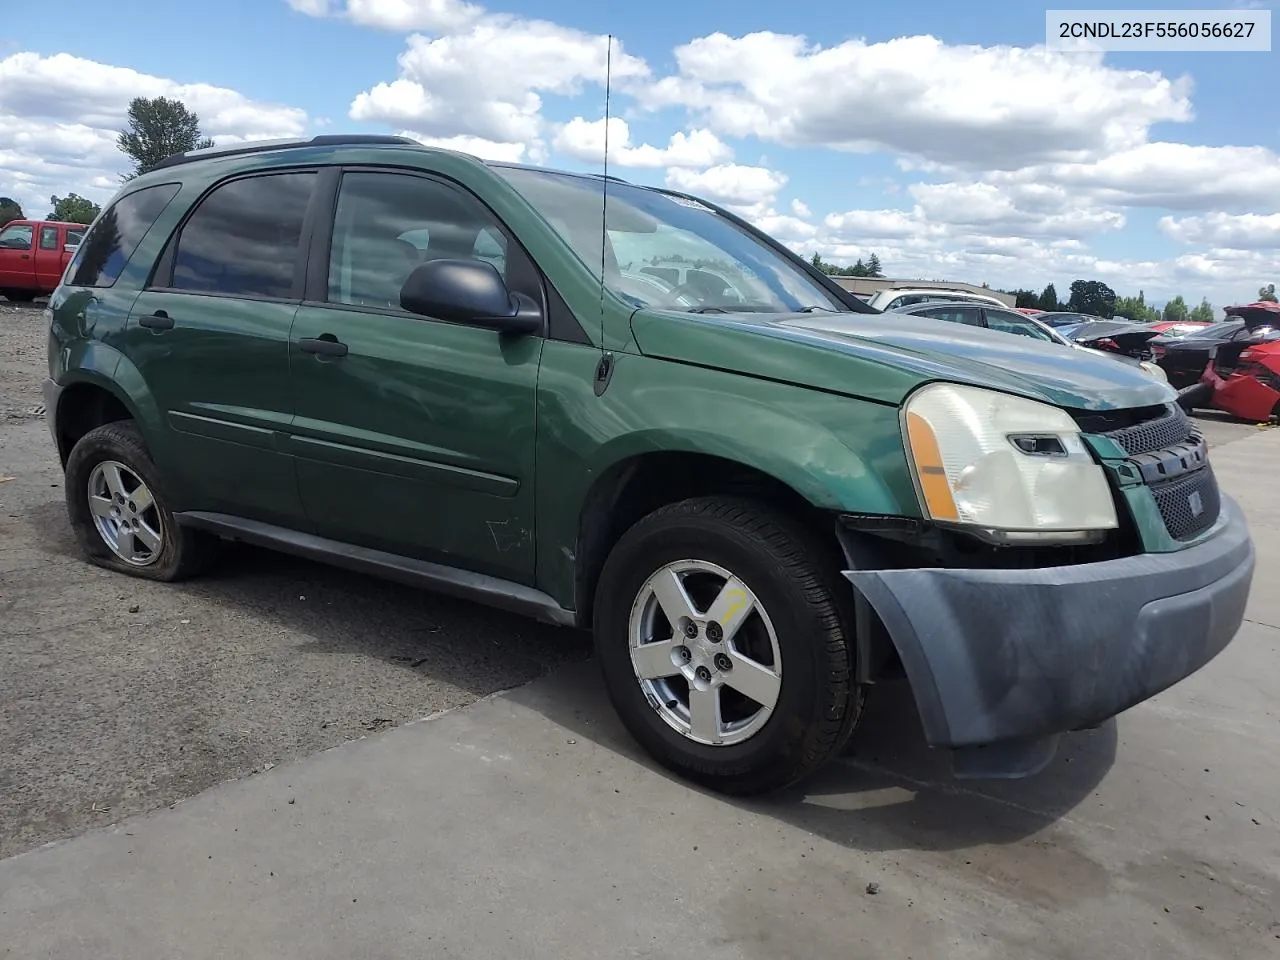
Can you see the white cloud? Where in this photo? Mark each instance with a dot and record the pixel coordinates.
(749, 191)
(451, 85)
(478, 147)
(801, 209)
(1177, 176)
(60, 116)
(1249, 231)
(585, 140)
(399, 15)
(994, 107)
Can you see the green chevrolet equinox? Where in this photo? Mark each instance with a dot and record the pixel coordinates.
(625, 409)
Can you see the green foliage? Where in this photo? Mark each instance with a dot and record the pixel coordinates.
(1092, 297)
(871, 268)
(1048, 299)
(72, 208)
(1175, 311)
(1024, 298)
(1267, 293)
(1204, 312)
(158, 128)
(1136, 309)
(10, 209)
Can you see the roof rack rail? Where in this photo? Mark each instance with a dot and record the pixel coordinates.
(262, 146)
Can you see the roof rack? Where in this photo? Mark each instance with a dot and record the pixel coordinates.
(262, 146)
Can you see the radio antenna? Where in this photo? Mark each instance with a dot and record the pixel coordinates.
(604, 193)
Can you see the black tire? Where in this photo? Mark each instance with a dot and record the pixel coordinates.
(819, 701)
(183, 552)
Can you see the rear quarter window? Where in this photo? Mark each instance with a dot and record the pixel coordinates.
(106, 249)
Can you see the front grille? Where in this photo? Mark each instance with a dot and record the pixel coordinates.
(1171, 428)
(1179, 498)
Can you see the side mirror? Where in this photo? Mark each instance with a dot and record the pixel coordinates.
(470, 292)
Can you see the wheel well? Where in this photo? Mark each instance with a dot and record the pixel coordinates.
(82, 408)
(630, 490)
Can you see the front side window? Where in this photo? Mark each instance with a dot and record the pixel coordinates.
(1017, 324)
(386, 224)
(970, 316)
(245, 238)
(104, 252)
(649, 235)
(16, 237)
(48, 238)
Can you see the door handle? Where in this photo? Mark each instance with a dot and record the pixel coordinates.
(25, 256)
(325, 345)
(156, 321)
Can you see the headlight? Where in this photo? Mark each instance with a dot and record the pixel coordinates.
(1010, 468)
(1154, 370)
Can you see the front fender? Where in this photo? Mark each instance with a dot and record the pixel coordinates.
(839, 453)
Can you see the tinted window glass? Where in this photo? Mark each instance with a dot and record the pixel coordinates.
(1017, 324)
(245, 238)
(970, 316)
(16, 238)
(48, 238)
(75, 236)
(108, 246)
(386, 224)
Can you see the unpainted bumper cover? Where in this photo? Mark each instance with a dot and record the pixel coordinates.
(1007, 660)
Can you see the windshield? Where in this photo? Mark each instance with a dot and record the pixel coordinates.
(666, 251)
(1220, 330)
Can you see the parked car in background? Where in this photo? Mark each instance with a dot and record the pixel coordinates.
(33, 255)
(894, 298)
(1006, 320)
(1114, 336)
(1183, 358)
(1029, 311)
(1179, 328)
(1065, 318)
(1242, 375)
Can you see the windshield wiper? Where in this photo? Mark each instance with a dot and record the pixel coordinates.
(706, 310)
(814, 308)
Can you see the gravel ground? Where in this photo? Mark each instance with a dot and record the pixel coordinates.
(118, 696)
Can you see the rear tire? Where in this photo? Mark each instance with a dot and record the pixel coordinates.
(793, 621)
(19, 296)
(119, 513)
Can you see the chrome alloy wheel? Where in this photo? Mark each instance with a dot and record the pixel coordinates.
(705, 653)
(125, 514)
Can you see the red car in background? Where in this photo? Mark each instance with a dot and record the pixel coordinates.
(1242, 377)
(1179, 328)
(33, 255)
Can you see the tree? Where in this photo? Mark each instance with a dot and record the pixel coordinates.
(10, 209)
(1175, 311)
(1267, 293)
(1092, 297)
(158, 128)
(873, 266)
(73, 208)
(1204, 312)
(1136, 309)
(1048, 299)
(869, 269)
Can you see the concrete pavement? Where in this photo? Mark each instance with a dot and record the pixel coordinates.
(528, 824)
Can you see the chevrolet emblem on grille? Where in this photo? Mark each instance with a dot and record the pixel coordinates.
(1195, 503)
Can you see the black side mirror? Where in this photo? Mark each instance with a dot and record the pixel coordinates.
(470, 292)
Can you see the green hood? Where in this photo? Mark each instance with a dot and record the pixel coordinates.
(885, 356)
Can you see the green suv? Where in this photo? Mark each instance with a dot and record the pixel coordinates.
(625, 409)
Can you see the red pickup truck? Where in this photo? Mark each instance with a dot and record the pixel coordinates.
(33, 254)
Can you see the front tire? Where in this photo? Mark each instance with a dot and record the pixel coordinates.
(723, 646)
(119, 513)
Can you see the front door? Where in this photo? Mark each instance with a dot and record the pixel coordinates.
(17, 267)
(211, 340)
(414, 435)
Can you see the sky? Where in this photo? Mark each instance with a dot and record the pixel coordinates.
(942, 136)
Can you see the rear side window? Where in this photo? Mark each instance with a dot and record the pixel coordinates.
(970, 316)
(105, 251)
(245, 238)
(17, 237)
(75, 236)
(48, 238)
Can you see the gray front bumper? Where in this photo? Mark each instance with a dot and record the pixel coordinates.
(1007, 660)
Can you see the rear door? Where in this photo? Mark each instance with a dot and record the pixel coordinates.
(17, 267)
(414, 435)
(210, 336)
(49, 257)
